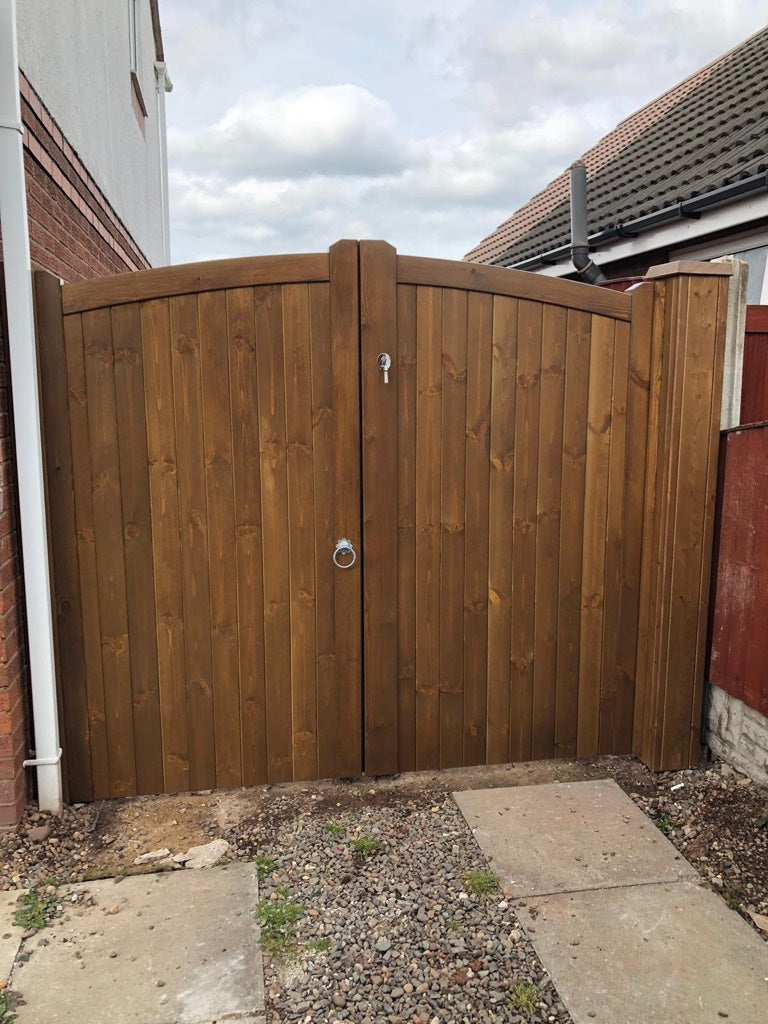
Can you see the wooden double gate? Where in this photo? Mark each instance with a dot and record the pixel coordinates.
(529, 496)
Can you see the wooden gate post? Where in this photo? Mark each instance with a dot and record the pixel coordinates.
(688, 342)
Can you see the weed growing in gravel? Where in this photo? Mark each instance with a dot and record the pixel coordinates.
(481, 883)
(454, 925)
(524, 997)
(36, 908)
(665, 823)
(733, 894)
(277, 921)
(365, 846)
(333, 828)
(315, 946)
(264, 866)
(7, 1006)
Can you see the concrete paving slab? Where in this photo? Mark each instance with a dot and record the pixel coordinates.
(650, 954)
(172, 948)
(10, 934)
(562, 837)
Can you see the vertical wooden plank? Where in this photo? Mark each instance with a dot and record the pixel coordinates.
(193, 514)
(595, 519)
(634, 485)
(476, 530)
(70, 651)
(246, 468)
(323, 456)
(86, 555)
(378, 308)
(614, 542)
(571, 531)
(500, 513)
(549, 480)
(697, 338)
(710, 497)
(345, 353)
(452, 490)
(406, 525)
(527, 425)
(650, 526)
(301, 539)
(137, 538)
(429, 316)
(219, 493)
(110, 558)
(274, 505)
(166, 542)
(664, 533)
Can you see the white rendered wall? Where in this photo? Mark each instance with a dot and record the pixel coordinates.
(76, 55)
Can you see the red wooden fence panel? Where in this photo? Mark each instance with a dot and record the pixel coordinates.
(739, 653)
(754, 388)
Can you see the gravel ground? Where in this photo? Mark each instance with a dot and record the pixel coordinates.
(450, 954)
(409, 939)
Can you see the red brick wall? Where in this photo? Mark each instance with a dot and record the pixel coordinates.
(75, 234)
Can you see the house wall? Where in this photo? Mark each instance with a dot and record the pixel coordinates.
(77, 58)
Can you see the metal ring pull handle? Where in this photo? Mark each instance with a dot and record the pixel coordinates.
(343, 548)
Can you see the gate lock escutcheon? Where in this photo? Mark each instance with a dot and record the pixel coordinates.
(344, 548)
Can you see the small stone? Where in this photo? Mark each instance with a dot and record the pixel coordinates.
(161, 984)
(207, 855)
(152, 856)
(383, 944)
(114, 910)
(112, 956)
(39, 833)
(339, 999)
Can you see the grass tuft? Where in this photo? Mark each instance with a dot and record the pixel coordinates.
(8, 1006)
(277, 921)
(525, 997)
(333, 828)
(35, 909)
(665, 823)
(264, 866)
(365, 847)
(481, 883)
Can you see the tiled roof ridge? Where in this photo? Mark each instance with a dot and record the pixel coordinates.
(605, 150)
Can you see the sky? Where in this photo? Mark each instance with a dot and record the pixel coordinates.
(293, 123)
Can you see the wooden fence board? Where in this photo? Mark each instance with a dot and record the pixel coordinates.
(452, 526)
(500, 513)
(137, 540)
(406, 580)
(246, 472)
(548, 524)
(108, 531)
(524, 526)
(428, 418)
(476, 518)
(574, 448)
(220, 504)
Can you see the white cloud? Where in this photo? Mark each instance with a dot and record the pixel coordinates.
(338, 129)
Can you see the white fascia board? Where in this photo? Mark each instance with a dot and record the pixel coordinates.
(678, 234)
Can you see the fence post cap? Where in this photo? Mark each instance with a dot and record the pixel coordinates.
(691, 268)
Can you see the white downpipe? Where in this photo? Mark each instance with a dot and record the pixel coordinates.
(26, 415)
(163, 84)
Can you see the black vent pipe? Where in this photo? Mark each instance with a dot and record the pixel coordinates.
(588, 270)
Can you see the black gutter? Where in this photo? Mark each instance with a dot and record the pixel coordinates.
(688, 209)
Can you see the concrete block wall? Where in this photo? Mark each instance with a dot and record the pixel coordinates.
(75, 234)
(737, 733)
